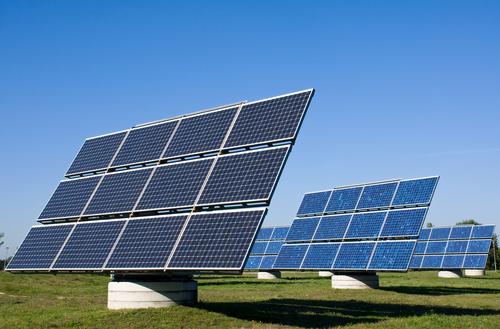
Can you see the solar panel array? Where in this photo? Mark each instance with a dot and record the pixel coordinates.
(266, 248)
(454, 247)
(171, 195)
(369, 227)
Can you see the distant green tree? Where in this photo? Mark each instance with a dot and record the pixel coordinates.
(469, 222)
(429, 225)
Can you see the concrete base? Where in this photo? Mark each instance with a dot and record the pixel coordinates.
(355, 281)
(450, 274)
(269, 275)
(146, 294)
(474, 273)
(325, 274)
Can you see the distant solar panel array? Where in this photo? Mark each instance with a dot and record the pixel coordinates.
(266, 248)
(370, 227)
(455, 247)
(172, 195)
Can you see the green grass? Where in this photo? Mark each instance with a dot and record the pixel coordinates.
(412, 300)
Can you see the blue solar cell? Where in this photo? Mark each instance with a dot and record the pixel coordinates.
(415, 191)
(404, 222)
(365, 225)
(475, 261)
(273, 247)
(302, 229)
(479, 246)
(144, 144)
(483, 231)
(344, 199)
(70, 198)
(332, 227)
(253, 262)
(200, 133)
(391, 255)
(376, 196)
(354, 256)
(96, 154)
(244, 176)
(440, 233)
(269, 120)
(258, 248)
(290, 256)
(280, 233)
(314, 203)
(320, 256)
(420, 247)
(89, 245)
(432, 261)
(40, 247)
(425, 233)
(175, 185)
(452, 261)
(265, 233)
(146, 242)
(416, 261)
(267, 262)
(460, 232)
(118, 192)
(216, 240)
(436, 247)
(459, 246)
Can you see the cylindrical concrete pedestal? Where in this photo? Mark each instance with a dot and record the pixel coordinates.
(355, 281)
(474, 273)
(146, 294)
(269, 275)
(450, 274)
(325, 274)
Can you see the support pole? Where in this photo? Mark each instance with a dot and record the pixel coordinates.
(452, 274)
(355, 281)
(268, 275)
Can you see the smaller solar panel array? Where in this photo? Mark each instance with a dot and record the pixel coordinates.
(370, 227)
(455, 247)
(266, 248)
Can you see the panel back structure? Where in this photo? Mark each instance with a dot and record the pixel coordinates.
(266, 248)
(183, 194)
(453, 247)
(360, 228)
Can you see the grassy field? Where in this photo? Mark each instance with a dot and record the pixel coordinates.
(413, 300)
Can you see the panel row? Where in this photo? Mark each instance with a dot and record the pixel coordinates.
(458, 232)
(411, 192)
(241, 177)
(272, 233)
(266, 247)
(481, 246)
(260, 122)
(346, 256)
(366, 225)
(449, 262)
(209, 241)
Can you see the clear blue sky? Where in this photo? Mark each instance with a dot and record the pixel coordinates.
(403, 89)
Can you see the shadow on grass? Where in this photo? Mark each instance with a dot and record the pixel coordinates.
(441, 290)
(322, 313)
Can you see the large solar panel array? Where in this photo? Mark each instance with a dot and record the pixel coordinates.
(369, 227)
(454, 247)
(266, 248)
(188, 193)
